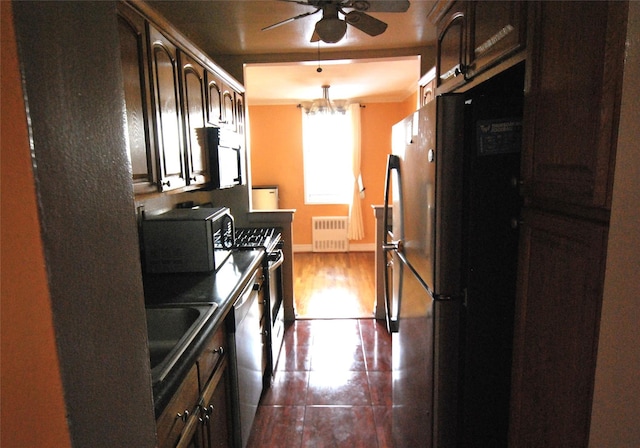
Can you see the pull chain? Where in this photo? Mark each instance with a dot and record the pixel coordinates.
(319, 69)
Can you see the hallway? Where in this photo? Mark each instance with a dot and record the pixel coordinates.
(331, 388)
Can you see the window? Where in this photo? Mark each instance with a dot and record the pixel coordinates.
(327, 152)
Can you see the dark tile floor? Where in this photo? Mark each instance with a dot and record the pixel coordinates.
(331, 388)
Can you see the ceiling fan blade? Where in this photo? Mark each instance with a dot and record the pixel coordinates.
(366, 23)
(315, 37)
(289, 20)
(380, 5)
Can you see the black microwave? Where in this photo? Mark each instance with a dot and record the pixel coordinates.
(225, 157)
(187, 240)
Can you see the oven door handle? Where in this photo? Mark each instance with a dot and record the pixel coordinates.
(275, 259)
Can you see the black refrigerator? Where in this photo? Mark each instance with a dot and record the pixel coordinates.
(451, 195)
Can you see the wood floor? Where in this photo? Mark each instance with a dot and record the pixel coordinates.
(334, 285)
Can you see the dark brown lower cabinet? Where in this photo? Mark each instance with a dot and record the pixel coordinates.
(561, 272)
(214, 412)
(204, 395)
(178, 422)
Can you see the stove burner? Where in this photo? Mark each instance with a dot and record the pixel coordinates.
(251, 238)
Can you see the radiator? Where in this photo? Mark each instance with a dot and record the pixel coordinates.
(329, 234)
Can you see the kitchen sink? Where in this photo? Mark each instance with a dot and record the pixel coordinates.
(170, 330)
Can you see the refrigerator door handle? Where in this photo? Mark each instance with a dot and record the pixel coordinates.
(393, 163)
(393, 321)
(433, 294)
(413, 270)
(388, 245)
(392, 245)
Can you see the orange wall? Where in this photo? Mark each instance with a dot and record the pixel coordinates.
(276, 159)
(33, 409)
(409, 105)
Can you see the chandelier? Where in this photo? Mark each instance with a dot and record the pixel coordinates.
(324, 105)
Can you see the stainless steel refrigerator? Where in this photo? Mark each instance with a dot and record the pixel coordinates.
(451, 262)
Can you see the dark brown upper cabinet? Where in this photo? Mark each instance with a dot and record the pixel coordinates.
(168, 119)
(451, 48)
(229, 108)
(194, 108)
(239, 113)
(496, 29)
(225, 104)
(474, 37)
(173, 91)
(214, 99)
(575, 62)
(135, 73)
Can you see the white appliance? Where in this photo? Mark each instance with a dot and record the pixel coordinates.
(265, 198)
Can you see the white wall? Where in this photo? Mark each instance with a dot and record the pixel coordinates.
(616, 402)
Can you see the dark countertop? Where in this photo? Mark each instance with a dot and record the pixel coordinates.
(221, 287)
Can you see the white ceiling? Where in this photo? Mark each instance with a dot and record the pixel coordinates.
(232, 28)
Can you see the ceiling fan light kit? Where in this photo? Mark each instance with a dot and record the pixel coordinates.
(331, 28)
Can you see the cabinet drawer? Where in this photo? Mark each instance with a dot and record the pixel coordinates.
(215, 349)
(173, 420)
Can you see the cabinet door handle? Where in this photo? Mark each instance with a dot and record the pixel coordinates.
(205, 414)
(516, 223)
(458, 70)
(206, 417)
(515, 182)
(219, 350)
(166, 183)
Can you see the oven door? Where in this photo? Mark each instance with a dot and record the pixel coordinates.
(275, 259)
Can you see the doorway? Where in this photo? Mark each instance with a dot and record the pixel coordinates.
(330, 285)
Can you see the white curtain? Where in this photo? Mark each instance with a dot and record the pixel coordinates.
(356, 226)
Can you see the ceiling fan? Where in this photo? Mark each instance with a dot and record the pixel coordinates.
(331, 28)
